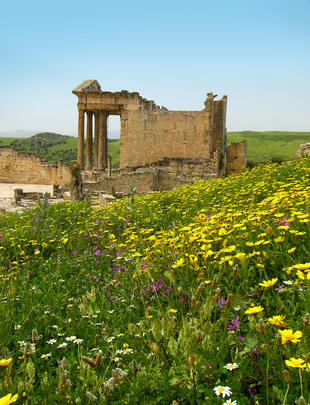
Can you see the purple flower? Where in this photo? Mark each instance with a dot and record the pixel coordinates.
(97, 252)
(255, 351)
(221, 302)
(279, 288)
(168, 290)
(234, 323)
(252, 391)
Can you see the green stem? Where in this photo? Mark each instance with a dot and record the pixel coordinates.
(286, 393)
(301, 387)
(267, 386)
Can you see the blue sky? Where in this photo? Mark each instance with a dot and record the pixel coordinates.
(173, 52)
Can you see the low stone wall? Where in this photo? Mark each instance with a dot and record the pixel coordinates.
(236, 157)
(163, 175)
(29, 168)
(304, 150)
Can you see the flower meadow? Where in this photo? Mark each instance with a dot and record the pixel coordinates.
(199, 295)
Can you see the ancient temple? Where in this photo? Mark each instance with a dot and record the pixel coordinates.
(149, 133)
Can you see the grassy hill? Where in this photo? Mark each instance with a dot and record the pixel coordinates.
(53, 147)
(198, 295)
(262, 146)
(270, 145)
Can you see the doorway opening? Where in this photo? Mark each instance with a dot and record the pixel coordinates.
(114, 134)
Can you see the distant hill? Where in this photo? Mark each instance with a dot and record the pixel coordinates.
(53, 147)
(262, 146)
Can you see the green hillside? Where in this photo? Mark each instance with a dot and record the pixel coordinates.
(270, 145)
(53, 147)
(262, 146)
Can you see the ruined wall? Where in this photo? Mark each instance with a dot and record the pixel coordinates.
(28, 168)
(236, 157)
(149, 136)
(150, 133)
(304, 150)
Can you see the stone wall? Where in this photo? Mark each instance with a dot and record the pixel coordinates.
(149, 136)
(29, 168)
(162, 175)
(304, 150)
(149, 133)
(236, 157)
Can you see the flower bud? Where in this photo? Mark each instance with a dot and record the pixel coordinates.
(307, 358)
(92, 397)
(96, 340)
(307, 319)
(217, 295)
(199, 289)
(192, 358)
(89, 361)
(261, 327)
(228, 301)
(214, 281)
(279, 338)
(193, 302)
(287, 376)
(301, 401)
(35, 336)
(153, 346)
(99, 358)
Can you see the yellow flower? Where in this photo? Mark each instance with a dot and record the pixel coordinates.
(254, 310)
(8, 399)
(289, 336)
(172, 310)
(277, 321)
(5, 362)
(179, 263)
(279, 239)
(297, 363)
(268, 283)
(291, 250)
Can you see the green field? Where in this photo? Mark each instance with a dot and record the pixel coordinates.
(262, 146)
(270, 145)
(195, 296)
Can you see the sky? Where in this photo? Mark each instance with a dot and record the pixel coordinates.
(257, 52)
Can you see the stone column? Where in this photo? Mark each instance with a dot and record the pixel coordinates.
(81, 139)
(89, 141)
(102, 146)
(96, 138)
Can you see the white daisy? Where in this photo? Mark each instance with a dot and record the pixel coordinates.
(70, 338)
(62, 345)
(117, 359)
(46, 356)
(231, 366)
(78, 341)
(51, 341)
(288, 282)
(230, 402)
(224, 391)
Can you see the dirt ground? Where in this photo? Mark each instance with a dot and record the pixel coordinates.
(7, 195)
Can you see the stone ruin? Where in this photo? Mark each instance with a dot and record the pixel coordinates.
(304, 150)
(159, 149)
